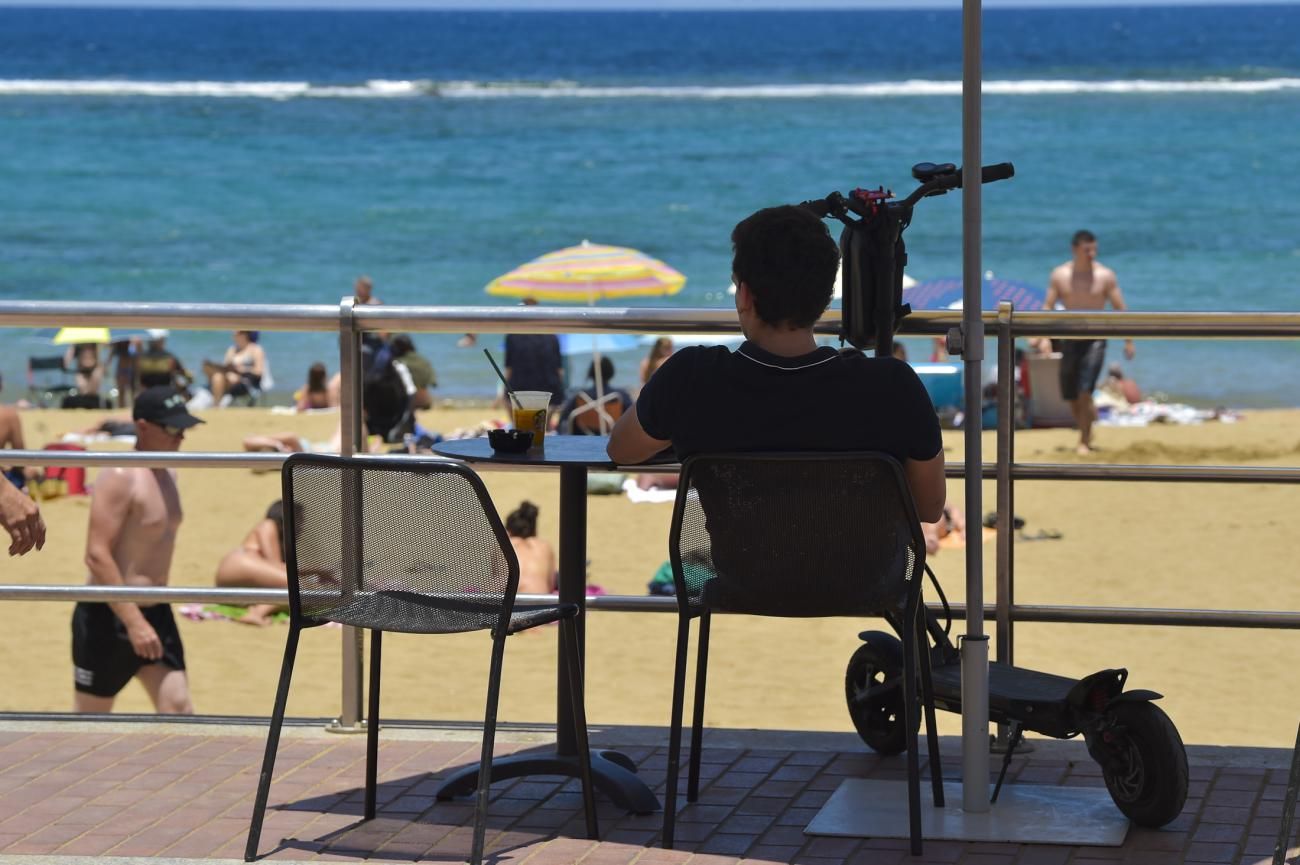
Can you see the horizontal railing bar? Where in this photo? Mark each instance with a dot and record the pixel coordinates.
(659, 604)
(1160, 325)
(536, 319)
(143, 594)
(598, 319)
(183, 316)
(1286, 619)
(148, 459)
(1021, 471)
(1161, 474)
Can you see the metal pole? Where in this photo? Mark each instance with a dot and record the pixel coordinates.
(349, 720)
(1006, 499)
(975, 647)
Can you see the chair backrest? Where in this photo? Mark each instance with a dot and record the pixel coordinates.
(796, 534)
(588, 422)
(362, 533)
(46, 366)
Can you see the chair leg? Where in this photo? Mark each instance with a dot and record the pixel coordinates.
(675, 731)
(927, 704)
(574, 664)
(485, 761)
(272, 743)
(697, 722)
(909, 724)
(372, 724)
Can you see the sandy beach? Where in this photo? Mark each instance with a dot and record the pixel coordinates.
(1156, 545)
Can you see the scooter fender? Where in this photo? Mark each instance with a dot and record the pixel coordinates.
(1140, 695)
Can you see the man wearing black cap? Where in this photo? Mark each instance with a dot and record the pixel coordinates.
(134, 516)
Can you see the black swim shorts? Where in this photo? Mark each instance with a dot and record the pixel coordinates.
(1081, 361)
(102, 658)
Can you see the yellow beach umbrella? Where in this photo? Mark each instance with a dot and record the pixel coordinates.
(587, 273)
(78, 335)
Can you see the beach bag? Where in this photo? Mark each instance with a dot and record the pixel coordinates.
(61, 480)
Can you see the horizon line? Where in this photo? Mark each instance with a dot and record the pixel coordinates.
(615, 5)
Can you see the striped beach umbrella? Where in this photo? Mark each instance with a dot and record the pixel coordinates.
(587, 273)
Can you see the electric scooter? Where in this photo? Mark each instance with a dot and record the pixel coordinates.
(1141, 755)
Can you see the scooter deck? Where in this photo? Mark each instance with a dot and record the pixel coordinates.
(1007, 685)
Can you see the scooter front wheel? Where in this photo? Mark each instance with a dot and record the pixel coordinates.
(877, 666)
(1146, 772)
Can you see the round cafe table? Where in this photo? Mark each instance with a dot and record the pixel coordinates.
(613, 773)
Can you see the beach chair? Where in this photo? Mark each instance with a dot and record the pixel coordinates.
(48, 380)
(593, 416)
(797, 535)
(413, 546)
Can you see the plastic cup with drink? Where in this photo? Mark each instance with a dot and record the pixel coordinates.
(531, 407)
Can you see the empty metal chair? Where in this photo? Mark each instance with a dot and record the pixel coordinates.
(48, 380)
(797, 535)
(412, 546)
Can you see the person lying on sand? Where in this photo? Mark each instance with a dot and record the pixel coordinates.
(952, 523)
(290, 443)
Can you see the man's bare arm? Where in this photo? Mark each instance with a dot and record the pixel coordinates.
(1053, 292)
(110, 505)
(929, 487)
(1117, 302)
(21, 518)
(629, 443)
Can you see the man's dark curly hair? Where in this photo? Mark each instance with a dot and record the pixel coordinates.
(788, 259)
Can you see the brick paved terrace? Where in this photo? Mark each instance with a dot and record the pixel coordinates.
(76, 790)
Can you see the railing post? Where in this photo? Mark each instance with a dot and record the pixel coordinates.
(352, 434)
(1005, 491)
(974, 646)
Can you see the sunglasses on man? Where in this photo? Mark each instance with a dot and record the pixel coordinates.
(173, 431)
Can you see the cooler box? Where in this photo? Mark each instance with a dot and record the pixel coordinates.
(1047, 408)
(943, 383)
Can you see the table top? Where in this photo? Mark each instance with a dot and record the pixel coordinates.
(557, 450)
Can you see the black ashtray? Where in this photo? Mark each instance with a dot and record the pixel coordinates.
(510, 441)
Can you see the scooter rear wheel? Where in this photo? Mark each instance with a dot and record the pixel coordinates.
(878, 719)
(1147, 776)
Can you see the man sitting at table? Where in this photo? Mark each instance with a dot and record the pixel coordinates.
(779, 390)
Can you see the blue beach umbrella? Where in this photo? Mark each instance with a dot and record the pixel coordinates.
(605, 343)
(946, 293)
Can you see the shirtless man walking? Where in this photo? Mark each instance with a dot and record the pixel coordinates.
(1084, 283)
(134, 516)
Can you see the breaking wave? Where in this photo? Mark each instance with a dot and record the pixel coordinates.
(402, 89)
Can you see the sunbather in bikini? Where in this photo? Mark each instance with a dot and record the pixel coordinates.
(258, 563)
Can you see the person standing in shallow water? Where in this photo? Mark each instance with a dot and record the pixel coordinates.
(135, 513)
(1083, 283)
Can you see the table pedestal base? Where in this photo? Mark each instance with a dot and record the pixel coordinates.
(613, 774)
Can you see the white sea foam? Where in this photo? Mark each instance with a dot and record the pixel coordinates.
(403, 89)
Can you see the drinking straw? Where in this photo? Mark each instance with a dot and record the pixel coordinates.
(501, 376)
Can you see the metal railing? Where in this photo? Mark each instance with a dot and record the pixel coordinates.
(350, 321)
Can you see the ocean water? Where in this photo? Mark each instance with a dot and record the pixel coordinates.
(246, 156)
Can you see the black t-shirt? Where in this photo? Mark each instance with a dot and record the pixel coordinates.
(712, 400)
(534, 362)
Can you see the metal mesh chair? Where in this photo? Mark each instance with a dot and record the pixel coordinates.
(410, 546)
(796, 535)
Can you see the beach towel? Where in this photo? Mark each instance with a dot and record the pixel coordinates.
(229, 613)
(636, 494)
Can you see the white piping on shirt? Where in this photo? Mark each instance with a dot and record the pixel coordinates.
(787, 368)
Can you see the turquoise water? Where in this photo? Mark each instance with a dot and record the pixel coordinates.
(266, 156)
